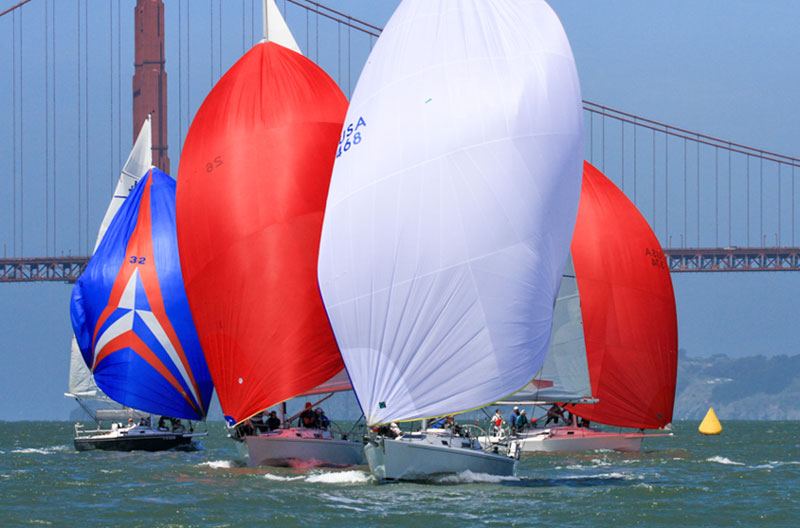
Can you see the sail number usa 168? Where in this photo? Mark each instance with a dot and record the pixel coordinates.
(351, 136)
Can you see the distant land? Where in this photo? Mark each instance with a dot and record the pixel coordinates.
(748, 388)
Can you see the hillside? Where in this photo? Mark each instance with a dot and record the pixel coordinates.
(750, 388)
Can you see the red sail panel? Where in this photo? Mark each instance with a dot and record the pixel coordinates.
(628, 308)
(252, 186)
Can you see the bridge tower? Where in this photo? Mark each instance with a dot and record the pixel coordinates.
(150, 77)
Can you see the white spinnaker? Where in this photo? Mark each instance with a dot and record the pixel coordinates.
(81, 381)
(565, 374)
(452, 204)
(138, 163)
(275, 28)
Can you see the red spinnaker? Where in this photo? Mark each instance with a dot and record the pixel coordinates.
(628, 307)
(252, 186)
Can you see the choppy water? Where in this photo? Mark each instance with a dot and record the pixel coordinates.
(748, 476)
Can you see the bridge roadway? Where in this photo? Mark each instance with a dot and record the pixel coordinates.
(680, 260)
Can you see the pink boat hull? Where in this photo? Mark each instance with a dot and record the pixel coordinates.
(570, 438)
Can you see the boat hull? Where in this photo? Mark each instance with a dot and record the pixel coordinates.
(296, 448)
(409, 459)
(137, 439)
(570, 439)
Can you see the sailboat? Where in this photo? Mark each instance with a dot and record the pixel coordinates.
(133, 327)
(451, 207)
(253, 178)
(629, 325)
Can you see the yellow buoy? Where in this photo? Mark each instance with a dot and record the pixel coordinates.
(710, 424)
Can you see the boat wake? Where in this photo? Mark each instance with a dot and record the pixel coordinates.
(724, 460)
(326, 477)
(468, 477)
(340, 477)
(221, 464)
(42, 450)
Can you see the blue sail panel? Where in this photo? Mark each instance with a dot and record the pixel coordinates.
(130, 313)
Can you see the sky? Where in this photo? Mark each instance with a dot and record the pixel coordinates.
(726, 69)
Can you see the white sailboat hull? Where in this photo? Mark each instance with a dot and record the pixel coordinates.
(134, 438)
(419, 458)
(571, 438)
(298, 447)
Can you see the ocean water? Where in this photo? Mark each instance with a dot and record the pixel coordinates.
(748, 476)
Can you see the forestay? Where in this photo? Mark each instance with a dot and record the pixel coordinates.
(452, 204)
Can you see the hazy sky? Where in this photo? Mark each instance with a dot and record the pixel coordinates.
(727, 69)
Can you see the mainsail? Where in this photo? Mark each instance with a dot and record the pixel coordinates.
(130, 314)
(628, 309)
(81, 381)
(452, 204)
(254, 176)
(565, 374)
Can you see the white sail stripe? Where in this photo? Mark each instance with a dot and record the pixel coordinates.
(117, 328)
(128, 299)
(158, 331)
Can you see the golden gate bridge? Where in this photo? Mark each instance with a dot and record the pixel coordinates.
(76, 67)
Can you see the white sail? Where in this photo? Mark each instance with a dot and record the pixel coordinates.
(139, 162)
(81, 381)
(275, 28)
(452, 204)
(565, 374)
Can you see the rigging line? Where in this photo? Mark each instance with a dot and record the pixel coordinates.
(698, 194)
(86, 116)
(111, 95)
(716, 195)
(349, 60)
(180, 82)
(55, 113)
(747, 158)
(21, 146)
(119, 86)
(12, 8)
(219, 8)
(685, 195)
(603, 128)
(622, 133)
(761, 199)
(666, 189)
(47, 128)
(14, 127)
(307, 35)
(777, 242)
(793, 200)
(635, 153)
(80, 167)
(211, 40)
(188, 69)
(730, 197)
(654, 182)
